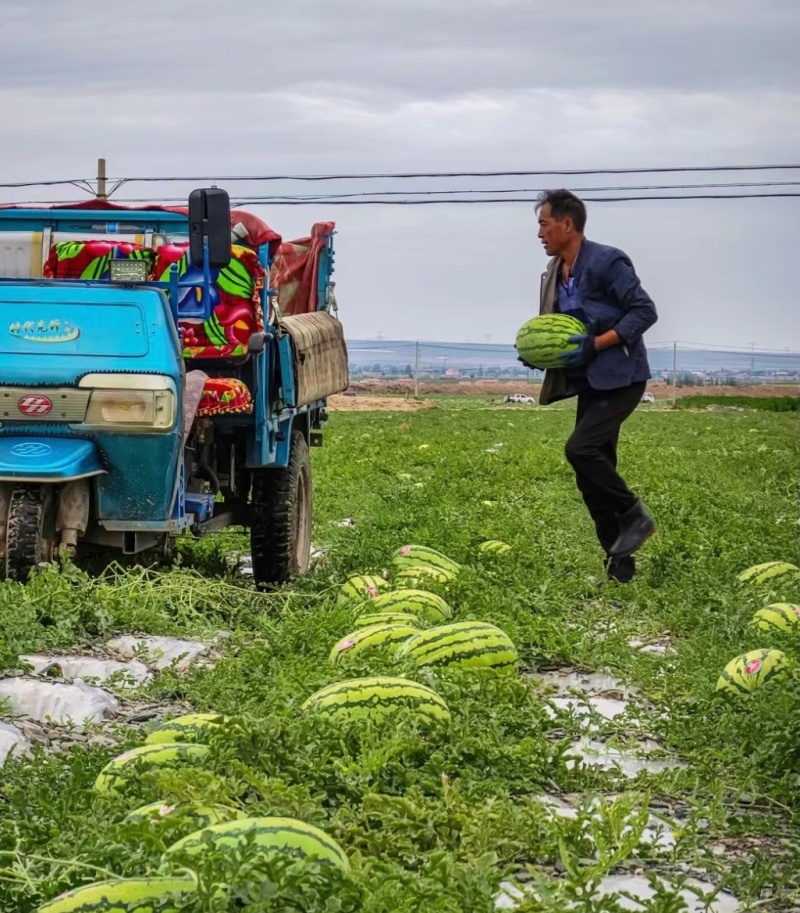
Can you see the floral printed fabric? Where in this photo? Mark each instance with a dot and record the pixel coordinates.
(224, 396)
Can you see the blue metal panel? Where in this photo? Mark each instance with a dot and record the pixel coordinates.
(54, 332)
(31, 458)
(284, 442)
(262, 446)
(144, 474)
(288, 392)
(92, 220)
(324, 272)
(144, 526)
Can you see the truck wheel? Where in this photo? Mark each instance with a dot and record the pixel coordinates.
(280, 526)
(29, 533)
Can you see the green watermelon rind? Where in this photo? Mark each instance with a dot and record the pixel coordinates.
(543, 339)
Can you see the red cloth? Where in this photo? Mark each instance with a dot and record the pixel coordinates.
(295, 269)
(91, 259)
(235, 301)
(224, 396)
(295, 263)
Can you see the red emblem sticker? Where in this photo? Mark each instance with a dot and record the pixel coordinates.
(34, 404)
(345, 645)
(405, 549)
(372, 592)
(753, 666)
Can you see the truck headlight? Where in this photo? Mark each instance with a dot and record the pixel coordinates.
(131, 402)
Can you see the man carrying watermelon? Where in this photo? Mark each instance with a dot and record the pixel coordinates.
(605, 367)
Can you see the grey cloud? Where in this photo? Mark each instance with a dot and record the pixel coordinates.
(410, 49)
(211, 88)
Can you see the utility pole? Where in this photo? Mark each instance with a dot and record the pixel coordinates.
(752, 357)
(101, 180)
(416, 370)
(674, 370)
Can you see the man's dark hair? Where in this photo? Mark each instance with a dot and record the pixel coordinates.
(564, 204)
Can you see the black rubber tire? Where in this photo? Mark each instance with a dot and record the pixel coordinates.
(29, 515)
(281, 515)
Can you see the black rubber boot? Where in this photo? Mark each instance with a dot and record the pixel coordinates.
(621, 570)
(636, 526)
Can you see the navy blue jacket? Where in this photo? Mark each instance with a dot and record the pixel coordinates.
(613, 299)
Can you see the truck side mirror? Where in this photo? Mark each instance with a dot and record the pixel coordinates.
(210, 218)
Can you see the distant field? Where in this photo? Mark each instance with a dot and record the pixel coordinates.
(661, 391)
(763, 403)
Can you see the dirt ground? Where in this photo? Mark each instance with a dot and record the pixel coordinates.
(377, 404)
(371, 390)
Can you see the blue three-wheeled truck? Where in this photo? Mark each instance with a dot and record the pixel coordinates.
(162, 370)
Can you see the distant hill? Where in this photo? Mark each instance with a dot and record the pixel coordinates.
(393, 354)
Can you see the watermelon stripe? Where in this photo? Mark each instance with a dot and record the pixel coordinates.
(422, 554)
(463, 656)
(423, 650)
(380, 635)
(122, 895)
(377, 700)
(431, 639)
(170, 752)
(237, 833)
(356, 695)
(732, 681)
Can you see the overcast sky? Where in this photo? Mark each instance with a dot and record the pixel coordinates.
(341, 86)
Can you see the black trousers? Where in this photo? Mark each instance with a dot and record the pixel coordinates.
(592, 453)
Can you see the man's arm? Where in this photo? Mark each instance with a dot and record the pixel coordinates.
(626, 290)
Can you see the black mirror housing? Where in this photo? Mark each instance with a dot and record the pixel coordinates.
(210, 217)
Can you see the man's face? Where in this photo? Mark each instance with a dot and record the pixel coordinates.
(554, 235)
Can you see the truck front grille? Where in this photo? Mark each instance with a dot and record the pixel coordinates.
(50, 404)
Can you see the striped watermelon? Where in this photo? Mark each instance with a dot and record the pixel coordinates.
(125, 895)
(192, 727)
(426, 605)
(199, 815)
(386, 637)
(418, 576)
(272, 836)
(470, 644)
(422, 556)
(771, 571)
(783, 616)
(749, 671)
(376, 698)
(121, 769)
(494, 547)
(359, 587)
(386, 618)
(541, 340)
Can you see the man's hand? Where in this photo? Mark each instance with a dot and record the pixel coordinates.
(584, 353)
(532, 367)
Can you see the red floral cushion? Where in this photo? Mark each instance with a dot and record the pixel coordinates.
(224, 396)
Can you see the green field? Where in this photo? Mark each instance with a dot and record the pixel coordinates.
(434, 819)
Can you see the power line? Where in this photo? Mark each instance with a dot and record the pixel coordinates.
(410, 175)
(388, 194)
(617, 188)
(82, 183)
(335, 201)
(452, 202)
